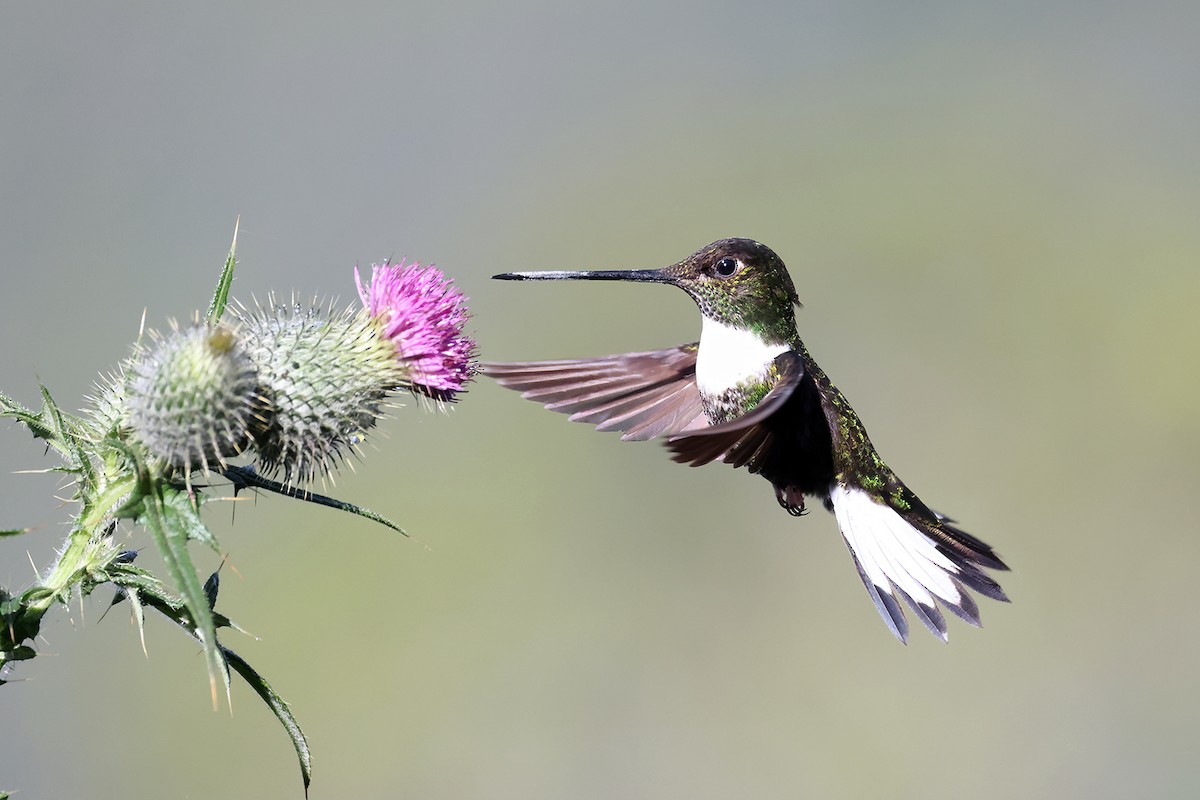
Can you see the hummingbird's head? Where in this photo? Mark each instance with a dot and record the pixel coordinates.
(741, 283)
(737, 282)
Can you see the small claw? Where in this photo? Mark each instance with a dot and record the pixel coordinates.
(791, 500)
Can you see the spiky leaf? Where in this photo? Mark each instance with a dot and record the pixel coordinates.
(172, 519)
(221, 296)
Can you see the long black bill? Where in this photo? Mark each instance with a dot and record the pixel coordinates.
(634, 275)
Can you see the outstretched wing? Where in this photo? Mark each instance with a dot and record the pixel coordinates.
(641, 394)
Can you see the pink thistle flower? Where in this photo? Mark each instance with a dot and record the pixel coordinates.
(422, 315)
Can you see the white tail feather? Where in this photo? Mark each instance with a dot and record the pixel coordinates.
(893, 554)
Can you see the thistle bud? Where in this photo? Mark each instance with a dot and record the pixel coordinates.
(324, 379)
(190, 397)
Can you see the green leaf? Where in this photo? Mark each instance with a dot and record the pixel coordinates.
(248, 477)
(149, 590)
(211, 587)
(35, 423)
(65, 433)
(59, 431)
(169, 522)
(188, 507)
(142, 586)
(139, 614)
(14, 532)
(21, 652)
(281, 710)
(221, 296)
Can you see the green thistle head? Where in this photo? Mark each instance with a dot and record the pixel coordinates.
(324, 380)
(189, 397)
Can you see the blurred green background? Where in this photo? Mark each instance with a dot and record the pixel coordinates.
(990, 212)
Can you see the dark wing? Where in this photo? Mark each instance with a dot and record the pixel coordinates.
(747, 441)
(641, 394)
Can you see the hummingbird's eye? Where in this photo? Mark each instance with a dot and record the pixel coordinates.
(725, 267)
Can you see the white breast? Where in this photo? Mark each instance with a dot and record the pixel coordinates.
(729, 356)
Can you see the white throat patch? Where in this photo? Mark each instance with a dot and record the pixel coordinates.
(729, 356)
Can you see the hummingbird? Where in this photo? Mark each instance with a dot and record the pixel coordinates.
(749, 394)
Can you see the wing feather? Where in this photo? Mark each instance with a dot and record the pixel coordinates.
(643, 395)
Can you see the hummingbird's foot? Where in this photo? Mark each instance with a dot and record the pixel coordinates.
(791, 500)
